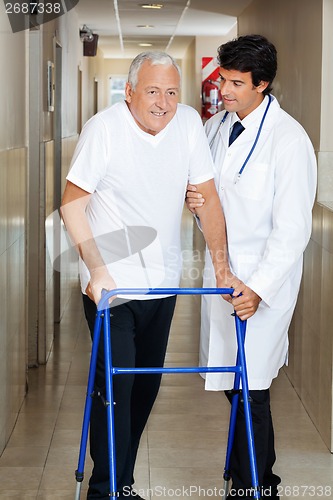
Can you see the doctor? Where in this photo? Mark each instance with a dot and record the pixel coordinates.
(266, 180)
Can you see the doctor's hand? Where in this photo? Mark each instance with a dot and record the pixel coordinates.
(193, 198)
(100, 279)
(246, 304)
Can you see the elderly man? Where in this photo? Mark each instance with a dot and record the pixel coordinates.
(122, 207)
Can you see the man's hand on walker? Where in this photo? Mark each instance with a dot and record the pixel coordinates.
(100, 279)
(245, 305)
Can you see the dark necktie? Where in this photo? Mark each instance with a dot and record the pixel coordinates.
(236, 131)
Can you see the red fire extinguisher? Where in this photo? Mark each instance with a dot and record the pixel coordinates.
(211, 97)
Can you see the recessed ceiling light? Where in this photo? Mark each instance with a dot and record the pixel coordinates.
(152, 5)
(145, 44)
(144, 26)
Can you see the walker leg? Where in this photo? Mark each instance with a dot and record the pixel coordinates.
(110, 407)
(240, 331)
(79, 473)
(231, 434)
(225, 489)
(78, 490)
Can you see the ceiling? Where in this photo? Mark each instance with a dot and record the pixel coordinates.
(123, 24)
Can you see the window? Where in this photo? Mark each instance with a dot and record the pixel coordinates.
(117, 88)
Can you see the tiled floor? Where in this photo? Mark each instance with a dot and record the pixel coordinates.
(182, 450)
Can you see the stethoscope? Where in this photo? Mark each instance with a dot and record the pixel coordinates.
(238, 176)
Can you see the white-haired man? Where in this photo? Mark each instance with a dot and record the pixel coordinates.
(122, 207)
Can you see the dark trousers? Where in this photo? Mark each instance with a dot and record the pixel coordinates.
(264, 445)
(139, 336)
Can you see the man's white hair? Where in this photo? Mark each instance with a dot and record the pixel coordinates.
(154, 58)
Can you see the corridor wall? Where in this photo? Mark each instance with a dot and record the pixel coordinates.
(13, 161)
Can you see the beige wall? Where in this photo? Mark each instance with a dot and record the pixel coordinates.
(16, 333)
(72, 56)
(13, 161)
(46, 305)
(296, 28)
(310, 362)
(325, 157)
(189, 88)
(326, 136)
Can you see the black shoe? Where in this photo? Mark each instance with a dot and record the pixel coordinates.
(130, 494)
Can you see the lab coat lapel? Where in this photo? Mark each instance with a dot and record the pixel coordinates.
(236, 153)
(224, 132)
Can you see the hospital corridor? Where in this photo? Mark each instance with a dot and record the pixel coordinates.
(61, 64)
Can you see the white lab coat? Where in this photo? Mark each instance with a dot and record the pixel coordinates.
(268, 216)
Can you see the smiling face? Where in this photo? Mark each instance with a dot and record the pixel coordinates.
(238, 92)
(153, 102)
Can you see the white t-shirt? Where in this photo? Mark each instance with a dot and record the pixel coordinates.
(138, 183)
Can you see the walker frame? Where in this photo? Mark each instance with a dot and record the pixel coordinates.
(240, 370)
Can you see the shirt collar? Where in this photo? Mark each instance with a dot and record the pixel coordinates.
(253, 116)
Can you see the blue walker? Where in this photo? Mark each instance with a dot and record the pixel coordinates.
(239, 369)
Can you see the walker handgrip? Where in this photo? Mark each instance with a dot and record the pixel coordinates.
(107, 294)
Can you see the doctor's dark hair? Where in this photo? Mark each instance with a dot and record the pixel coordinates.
(250, 53)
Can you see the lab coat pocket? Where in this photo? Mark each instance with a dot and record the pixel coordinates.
(252, 183)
